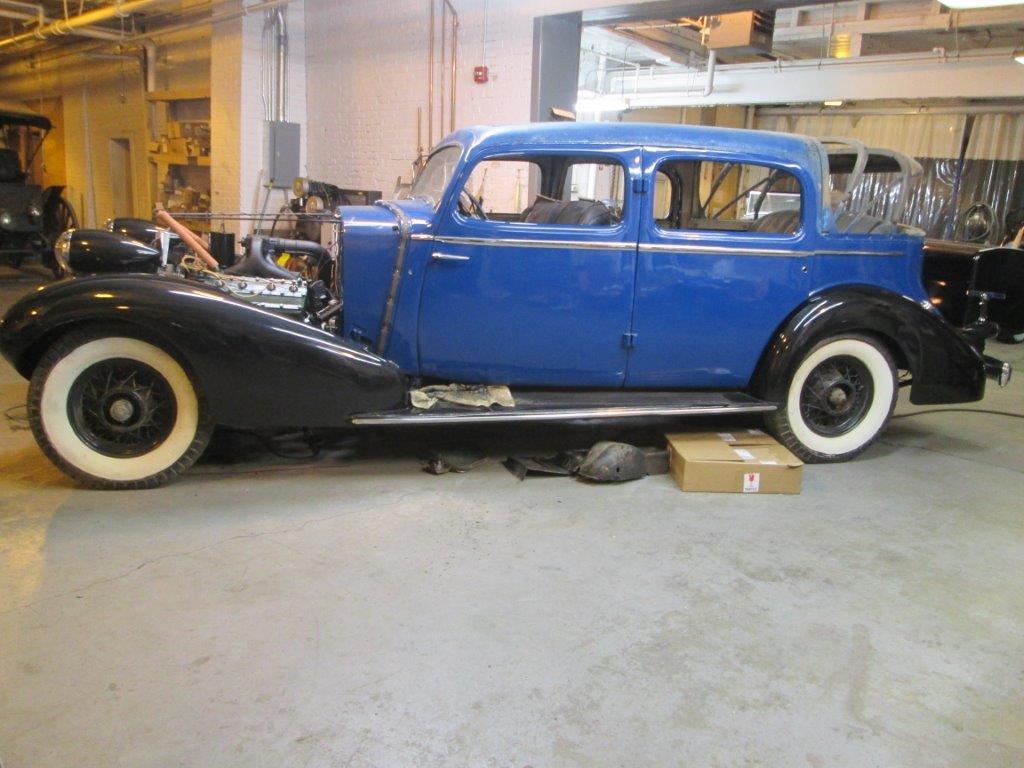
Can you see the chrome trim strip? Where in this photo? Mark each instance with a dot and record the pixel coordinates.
(720, 249)
(610, 412)
(858, 253)
(510, 242)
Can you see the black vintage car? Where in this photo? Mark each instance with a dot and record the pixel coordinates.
(31, 216)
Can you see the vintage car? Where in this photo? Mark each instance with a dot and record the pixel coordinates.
(31, 217)
(598, 271)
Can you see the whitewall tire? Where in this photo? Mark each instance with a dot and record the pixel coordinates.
(116, 412)
(838, 399)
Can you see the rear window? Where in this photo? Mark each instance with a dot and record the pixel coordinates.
(726, 196)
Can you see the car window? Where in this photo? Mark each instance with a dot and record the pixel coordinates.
(726, 196)
(561, 190)
(432, 180)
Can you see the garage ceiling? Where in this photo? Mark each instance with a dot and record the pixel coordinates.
(662, 37)
(838, 30)
(53, 27)
(810, 32)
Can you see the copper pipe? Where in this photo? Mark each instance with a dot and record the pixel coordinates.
(186, 234)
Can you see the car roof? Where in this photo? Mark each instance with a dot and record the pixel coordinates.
(14, 113)
(785, 147)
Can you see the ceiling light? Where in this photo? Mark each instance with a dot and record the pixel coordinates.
(960, 5)
(833, 103)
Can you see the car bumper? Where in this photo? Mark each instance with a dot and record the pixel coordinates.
(998, 371)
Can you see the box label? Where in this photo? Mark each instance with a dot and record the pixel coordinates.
(745, 455)
(752, 482)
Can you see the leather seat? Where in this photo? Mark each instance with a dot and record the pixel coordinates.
(777, 223)
(583, 213)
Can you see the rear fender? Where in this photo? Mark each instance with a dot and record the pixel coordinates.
(256, 368)
(944, 365)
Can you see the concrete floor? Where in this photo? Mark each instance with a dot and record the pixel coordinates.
(357, 611)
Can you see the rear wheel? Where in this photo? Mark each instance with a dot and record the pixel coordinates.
(838, 399)
(116, 412)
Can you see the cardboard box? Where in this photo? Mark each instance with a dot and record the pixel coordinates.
(749, 461)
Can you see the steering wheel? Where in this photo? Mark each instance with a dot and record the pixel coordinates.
(470, 204)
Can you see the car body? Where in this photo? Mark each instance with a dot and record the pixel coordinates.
(31, 216)
(598, 270)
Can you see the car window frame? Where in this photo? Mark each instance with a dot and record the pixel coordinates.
(619, 155)
(668, 155)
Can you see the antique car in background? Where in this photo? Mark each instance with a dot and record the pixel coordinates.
(976, 286)
(597, 270)
(31, 217)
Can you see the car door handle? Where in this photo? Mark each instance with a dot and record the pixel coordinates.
(438, 256)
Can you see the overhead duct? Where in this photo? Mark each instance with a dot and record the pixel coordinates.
(748, 33)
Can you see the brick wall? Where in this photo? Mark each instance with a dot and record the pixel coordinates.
(367, 77)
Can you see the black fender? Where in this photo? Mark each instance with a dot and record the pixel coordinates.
(945, 367)
(256, 368)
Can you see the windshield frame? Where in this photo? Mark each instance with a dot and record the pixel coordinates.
(444, 160)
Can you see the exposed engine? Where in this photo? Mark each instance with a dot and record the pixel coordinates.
(283, 275)
(271, 293)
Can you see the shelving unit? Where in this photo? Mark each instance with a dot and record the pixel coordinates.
(179, 150)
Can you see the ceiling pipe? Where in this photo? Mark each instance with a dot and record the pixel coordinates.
(82, 20)
(191, 23)
(969, 109)
(23, 11)
(665, 85)
(10, 9)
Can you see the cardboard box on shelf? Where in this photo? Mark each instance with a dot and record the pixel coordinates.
(748, 461)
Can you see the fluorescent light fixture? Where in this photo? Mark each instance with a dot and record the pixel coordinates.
(833, 103)
(962, 5)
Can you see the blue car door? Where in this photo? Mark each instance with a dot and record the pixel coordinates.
(541, 294)
(724, 255)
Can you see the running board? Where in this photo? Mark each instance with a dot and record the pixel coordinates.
(562, 406)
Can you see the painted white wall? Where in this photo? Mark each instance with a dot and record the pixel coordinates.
(367, 76)
(237, 108)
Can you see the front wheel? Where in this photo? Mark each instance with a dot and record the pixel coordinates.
(837, 401)
(115, 412)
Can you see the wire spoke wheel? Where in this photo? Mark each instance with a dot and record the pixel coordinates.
(60, 216)
(116, 412)
(122, 407)
(837, 399)
(836, 395)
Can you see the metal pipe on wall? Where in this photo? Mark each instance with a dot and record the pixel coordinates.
(430, 80)
(455, 63)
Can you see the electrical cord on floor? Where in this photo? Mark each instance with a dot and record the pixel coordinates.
(17, 413)
(959, 410)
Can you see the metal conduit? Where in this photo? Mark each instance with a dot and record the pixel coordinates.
(67, 26)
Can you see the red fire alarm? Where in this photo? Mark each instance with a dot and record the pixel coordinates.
(479, 74)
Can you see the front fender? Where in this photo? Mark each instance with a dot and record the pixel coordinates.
(944, 365)
(256, 368)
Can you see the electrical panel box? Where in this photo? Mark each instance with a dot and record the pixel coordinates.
(283, 141)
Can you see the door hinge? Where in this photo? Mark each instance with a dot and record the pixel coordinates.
(640, 186)
(629, 340)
